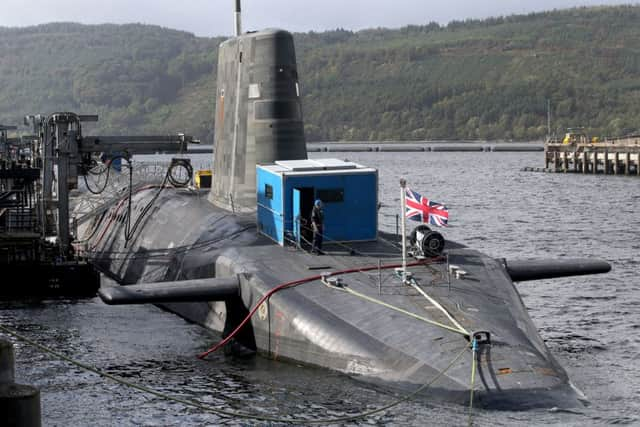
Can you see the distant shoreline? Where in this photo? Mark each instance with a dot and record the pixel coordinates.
(425, 146)
(409, 146)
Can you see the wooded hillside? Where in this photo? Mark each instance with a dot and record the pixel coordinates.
(474, 79)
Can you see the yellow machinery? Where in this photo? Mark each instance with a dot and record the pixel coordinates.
(574, 136)
(203, 178)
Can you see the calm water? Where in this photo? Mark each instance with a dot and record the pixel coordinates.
(591, 324)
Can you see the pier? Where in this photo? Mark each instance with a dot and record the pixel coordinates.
(619, 156)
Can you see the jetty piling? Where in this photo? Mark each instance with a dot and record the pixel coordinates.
(609, 157)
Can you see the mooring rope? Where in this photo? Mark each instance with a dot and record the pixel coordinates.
(474, 365)
(227, 413)
(403, 311)
(439, 306)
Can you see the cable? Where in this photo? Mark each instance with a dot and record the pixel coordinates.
(474, 364)
(294, 283)
(226, 413)
(96, 192)
(170, 178)
(108, 173)
(115, 212)
(252, 312)
(113, 215)
(93, 232)
(176, 163)
(129, 231)
(163, 252)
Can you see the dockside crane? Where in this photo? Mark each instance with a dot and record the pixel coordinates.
(38, 173)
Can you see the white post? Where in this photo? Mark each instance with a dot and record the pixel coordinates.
(403, 184)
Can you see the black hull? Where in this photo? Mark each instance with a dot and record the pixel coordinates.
(319, 326)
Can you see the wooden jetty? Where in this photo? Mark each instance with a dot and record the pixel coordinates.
(616, 156)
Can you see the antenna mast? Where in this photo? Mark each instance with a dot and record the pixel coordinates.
(238, 21)
(548, 117)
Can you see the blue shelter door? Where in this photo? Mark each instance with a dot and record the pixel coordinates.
(297, 214)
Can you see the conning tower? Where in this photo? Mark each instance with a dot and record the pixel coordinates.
(258, 114)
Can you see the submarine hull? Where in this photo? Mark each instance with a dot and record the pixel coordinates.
(372, 338)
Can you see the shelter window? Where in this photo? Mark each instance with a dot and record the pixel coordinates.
(333, 195)
(268, 191)
(274, 110)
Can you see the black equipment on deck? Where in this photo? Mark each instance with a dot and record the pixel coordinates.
(426, 242)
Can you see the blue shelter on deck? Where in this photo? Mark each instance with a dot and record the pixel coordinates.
(288, 189)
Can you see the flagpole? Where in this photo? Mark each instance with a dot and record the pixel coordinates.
(403, 198)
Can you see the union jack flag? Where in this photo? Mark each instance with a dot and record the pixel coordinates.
(421, 209)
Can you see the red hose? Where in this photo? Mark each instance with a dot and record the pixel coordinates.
(291, 285)
(115, 214)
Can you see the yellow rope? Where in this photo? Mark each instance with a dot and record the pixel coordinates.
(462, 331)
(437, 305)
(408, 313)
(474, 352)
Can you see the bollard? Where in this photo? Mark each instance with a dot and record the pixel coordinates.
(19, 404)
(6, 362)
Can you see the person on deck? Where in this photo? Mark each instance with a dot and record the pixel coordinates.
(317, 221)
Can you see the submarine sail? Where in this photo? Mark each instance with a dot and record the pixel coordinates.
(258, 114)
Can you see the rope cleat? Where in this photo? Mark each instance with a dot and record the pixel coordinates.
(329, 280)
(481, 337)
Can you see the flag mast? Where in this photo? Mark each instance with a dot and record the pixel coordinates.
(403, 198)
(238, 19)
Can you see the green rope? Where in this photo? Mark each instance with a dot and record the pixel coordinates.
(223, 412)
(474, 352)
(437, 305)
(405, 312)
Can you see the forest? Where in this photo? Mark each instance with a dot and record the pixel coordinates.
(496, 78)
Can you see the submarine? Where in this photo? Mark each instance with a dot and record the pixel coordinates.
(235, 259)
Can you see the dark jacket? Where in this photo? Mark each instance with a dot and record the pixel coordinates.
(317, 218)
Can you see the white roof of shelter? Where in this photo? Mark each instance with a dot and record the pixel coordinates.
(315, 166)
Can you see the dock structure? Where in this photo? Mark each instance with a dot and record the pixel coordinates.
(618, 156)
(39, 175)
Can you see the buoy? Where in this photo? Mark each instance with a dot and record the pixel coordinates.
(19, 404)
